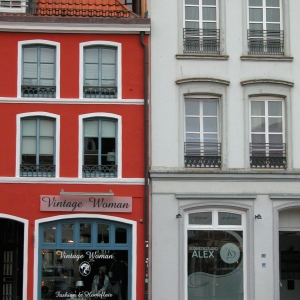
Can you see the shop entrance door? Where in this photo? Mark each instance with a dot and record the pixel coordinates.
(11, 258)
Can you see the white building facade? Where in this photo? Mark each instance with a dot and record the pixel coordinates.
(225, 156)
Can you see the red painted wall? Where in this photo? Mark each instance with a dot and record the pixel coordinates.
(132, 61)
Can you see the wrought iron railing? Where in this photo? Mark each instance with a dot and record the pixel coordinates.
(265, 42)
(92, 171)
(38, 91)
(268, 155)
(201, 40)
(27, 170)
(100, 92)
(202, 155)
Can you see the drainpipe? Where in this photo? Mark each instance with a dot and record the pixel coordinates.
(146, 164)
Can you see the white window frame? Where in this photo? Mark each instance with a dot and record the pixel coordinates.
(118, 119)
(266, 116)
(216, 227)
(118, 47)
(57, 64)
(57, 140)
(12, 9)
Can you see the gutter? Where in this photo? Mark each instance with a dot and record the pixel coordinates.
(146, 165)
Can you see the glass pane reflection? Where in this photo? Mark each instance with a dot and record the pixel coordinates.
(49, 234)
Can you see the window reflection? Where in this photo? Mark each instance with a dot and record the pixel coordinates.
(121, 235)
(85, 232)
(67, 233)
(103, 233)
(49, 234)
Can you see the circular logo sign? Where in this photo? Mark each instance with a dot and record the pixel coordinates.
(230, 253)
(85, 268)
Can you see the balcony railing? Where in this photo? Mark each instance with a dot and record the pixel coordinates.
(202, 155)
(93, 171)
(267, 156)
(100, 92)
(265, 42)
(201, 40)
(38, 91)
(37, 170)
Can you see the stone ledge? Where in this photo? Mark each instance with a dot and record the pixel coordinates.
(267, 57)
(202, 56)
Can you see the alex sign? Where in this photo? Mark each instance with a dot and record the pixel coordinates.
(85, 203)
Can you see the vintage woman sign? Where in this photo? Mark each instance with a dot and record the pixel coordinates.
(85, 203)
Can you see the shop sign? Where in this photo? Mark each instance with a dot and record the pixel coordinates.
(85, 203)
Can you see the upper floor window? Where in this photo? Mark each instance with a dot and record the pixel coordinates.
(267, 148)
(38, 71)
(12, 6)
(100, 147)
(37, 147)
(265, 34)
(201, 32)
(202, 134)
(100, 72)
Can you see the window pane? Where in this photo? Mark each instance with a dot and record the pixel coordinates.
(91, 128)
(46, 145)
(30, 70)
(28, 145)
(108, 71)
(85, 232)
(91, 55)
(203, 218)
(257, 26)
(49, 234)
(275, 124)
(272, 3)
(108, 129)
(46, 128)
(215, 257)
(28, 159)
(210, 124)
(210, 108)
(192, 137)
(67, 233)
(229, 219)
(192, 124)
(275, 108)
(196, 2)
(191, 107)
(257, 124)
(209, 25)
(46, 160)
(191, 24)
(91, 160)
(108, 56)
(209, 13)
(103, 233)
(121, 235)
(272, 26)
(191, 13)
(47, 55)
(273, 15)
(47, 82)
(257, 108)
(210, 138)
(29, 127)
(47, 71)
(256, 14)
(255, 2)
(30, 54)
(208, 2)
(91, 82)
(91, 71)
(258, 138)
(275, 138)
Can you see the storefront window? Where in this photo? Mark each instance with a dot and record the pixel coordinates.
(215, 259)
(86, 262)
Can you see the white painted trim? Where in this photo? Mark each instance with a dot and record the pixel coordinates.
(119, 139)
(118, 46)
(10, 10)
(57, 139)
(72, 101)
(73, 28)
(25, 249)
(89, 216)
(57, 63)
(71, 180)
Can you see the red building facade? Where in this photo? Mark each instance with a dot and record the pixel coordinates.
(72, 183)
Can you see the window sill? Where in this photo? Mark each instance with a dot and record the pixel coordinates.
(267, 57)
(202, 56)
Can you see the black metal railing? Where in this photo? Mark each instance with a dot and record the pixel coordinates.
(106, 171)
(37, 170)
(202, 155)
(201, 40)
(100, 92)
(38, 91)
(265, 42)
(268, 155)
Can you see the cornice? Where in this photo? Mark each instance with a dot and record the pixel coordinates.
(267, 81)
(202, 79)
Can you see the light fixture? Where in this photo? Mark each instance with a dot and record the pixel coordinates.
(63, 193)
(178, 216)
(258, 217)
(79, 284)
